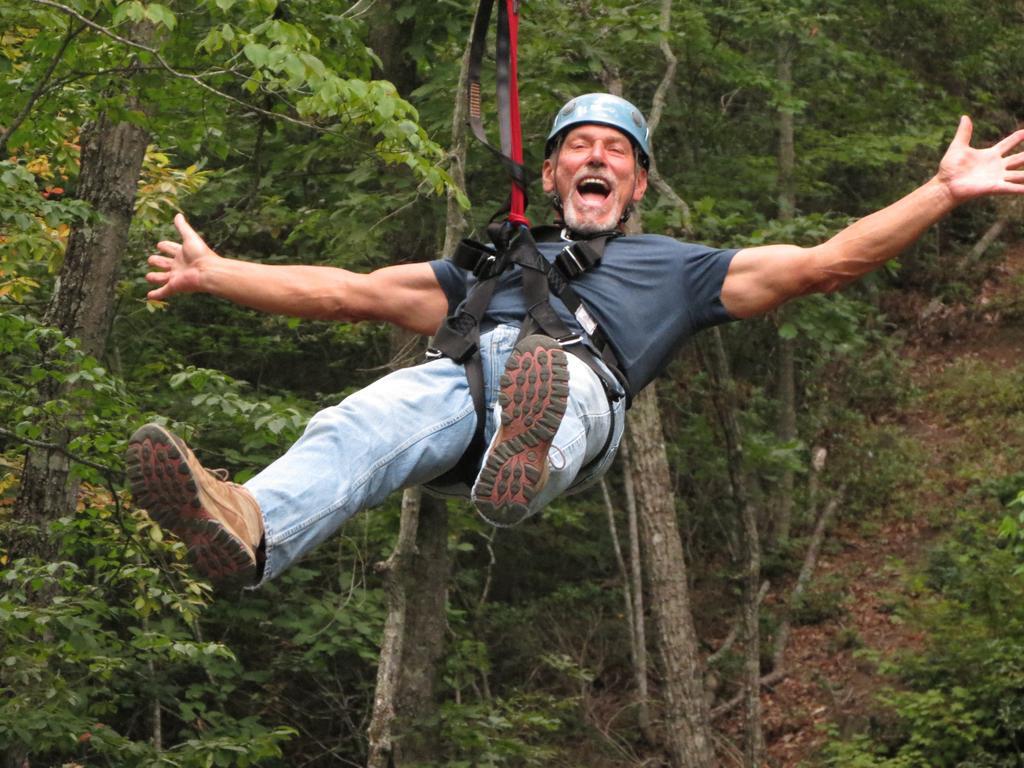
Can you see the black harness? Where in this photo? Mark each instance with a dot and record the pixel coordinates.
(515, 245)
(458, 337)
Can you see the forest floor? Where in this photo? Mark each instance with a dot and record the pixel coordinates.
(954, 354)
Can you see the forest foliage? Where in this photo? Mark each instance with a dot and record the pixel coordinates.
(270, 125)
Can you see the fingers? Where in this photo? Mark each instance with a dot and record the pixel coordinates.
(170, 248)
(1009, 188)
(167, 260)
(964, 131)
(1010, 142)
(1015, 161)
(159, 294)
(158, 278)
(1014, 177)
(183, 227)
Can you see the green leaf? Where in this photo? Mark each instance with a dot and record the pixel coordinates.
(257, 53)
(161, 14)
(133, 11)
(294, 67)
(213, 41)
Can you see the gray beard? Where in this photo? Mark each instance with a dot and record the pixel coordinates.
(585, 228)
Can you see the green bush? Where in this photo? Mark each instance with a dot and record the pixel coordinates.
(822, 601)
(960, 702)
(101, 651)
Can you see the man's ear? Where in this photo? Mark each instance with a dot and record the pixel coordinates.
(640, 188)
(547, 175)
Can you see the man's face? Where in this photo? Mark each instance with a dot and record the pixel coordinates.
(596, 175)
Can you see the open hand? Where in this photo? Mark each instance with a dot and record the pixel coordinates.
(969, 173)
(181, 267)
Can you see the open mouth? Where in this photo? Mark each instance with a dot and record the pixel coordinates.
(593, 190)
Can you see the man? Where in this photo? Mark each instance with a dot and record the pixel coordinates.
(557, 426)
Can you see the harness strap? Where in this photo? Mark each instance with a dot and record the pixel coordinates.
(538, 277)
(506, 72)
(459, 338)
(459, 335)
(575, 259)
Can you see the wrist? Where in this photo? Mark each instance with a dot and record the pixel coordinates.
(941, 187)
(207, 269)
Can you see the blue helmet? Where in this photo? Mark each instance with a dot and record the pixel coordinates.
(603, 109)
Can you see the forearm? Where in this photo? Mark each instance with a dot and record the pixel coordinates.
(872, 241)
(406, 295)
(313, 292)
(762, 278)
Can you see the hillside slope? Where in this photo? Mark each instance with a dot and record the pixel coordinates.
(962, 429)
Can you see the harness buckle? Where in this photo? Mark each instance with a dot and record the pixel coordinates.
(433, 353)
(493, 264)
(569, 263)
(568, 341)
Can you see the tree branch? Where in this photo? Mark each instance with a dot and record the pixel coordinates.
(658, 102)
(658, 108)
(39, 89)
(734, 632)
(620, 560)
(108, 472)
(806, 573)
(766, 681)
(196, 79)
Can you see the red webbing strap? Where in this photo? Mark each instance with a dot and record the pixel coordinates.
(517, 208)
(506, 44)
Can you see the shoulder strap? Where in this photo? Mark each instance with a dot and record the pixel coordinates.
(459, 335)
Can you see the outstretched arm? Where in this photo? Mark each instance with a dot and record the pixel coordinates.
(760, 279)
(408, 295)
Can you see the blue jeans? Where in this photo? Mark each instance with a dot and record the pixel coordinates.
(407, 429)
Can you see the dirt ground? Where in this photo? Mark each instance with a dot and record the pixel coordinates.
(830, 680)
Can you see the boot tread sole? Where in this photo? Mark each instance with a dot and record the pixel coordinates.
(534, 394)
(163, 483)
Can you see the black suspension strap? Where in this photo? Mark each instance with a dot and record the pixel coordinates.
(507, 79)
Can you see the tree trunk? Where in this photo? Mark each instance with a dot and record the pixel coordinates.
(787, 152)
(426, 587)
(723, 396)
(381, 732)
(632, 591)
(416, 577)
(687, 721)
(785, 431)
(82, 305)
(786, 373)
(418, 571)
(644, 716)
(688, 736)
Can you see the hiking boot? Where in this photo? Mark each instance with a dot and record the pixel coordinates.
(219, 521)
(534, 395)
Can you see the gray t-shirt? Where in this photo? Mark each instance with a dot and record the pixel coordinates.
(649, 294)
